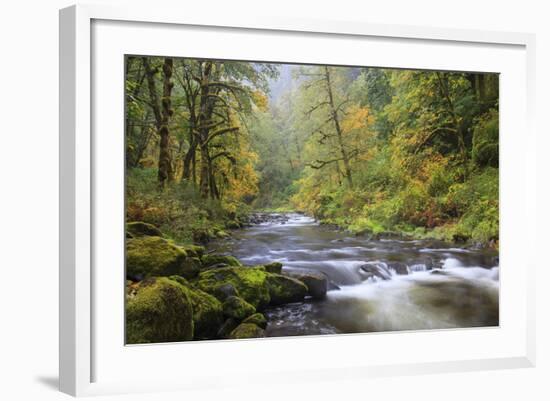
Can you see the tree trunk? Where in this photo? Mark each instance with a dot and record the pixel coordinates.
(144, 138)
(165, 172)
(334, 116)
(162, 112)
(189, 157)
(204, 172)
(444, 91)
(205, 115)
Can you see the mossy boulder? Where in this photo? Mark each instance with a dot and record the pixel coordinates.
(195, 251)
(207, 314)
(274, 267)
(219, 261)
(247, 330)
(249, 283)
(237, 308)
(224, 291)
(207, 311)
(258, 319)
(156, 256)
(203, 235)
(284, 290)
(227, 327)
(232, 224)
(316, 283)
(141, 229)
(159, 311)
(222, 234)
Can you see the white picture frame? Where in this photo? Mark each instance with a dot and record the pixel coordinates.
(79, 224)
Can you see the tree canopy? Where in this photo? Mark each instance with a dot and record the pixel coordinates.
(368, 149)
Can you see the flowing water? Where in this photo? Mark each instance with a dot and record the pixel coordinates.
(374, 285)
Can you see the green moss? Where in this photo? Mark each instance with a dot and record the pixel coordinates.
(155, 256)
(232, 224)
(207, 314)
(212, 260)
(140, 229)
(250, 283)
(222, 234)
(258, 319)
(227, 327)
(274, 267)
(237, 308)
(159, 311)
(207, 310)
(195, 251)
(283, 289)
(247, 330)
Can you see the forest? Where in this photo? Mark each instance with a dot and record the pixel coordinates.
(263, 198)
(371, 150)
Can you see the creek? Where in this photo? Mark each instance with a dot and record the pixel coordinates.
(374, 284)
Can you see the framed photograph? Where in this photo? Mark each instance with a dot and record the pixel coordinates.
(290, 199)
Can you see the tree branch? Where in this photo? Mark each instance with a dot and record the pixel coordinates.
(220, 132)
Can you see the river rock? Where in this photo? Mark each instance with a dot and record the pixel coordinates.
(258, 319)
(141, 229)
(439, 272)
(250, 283)
(156, 256)
(375, 269)
(259, 218)
(284, 290)
(160, 311)
(316, 282)
(332, 286)
(237, 308)
(399, 268)
(247, 330)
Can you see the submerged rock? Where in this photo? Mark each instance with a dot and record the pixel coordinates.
(332, 286)
(439, 272)
(284, 290)
(140, 229)
(237, 308)
(247, 330)
(156, 256)
(160, 310)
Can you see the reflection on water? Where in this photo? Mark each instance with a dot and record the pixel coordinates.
(379, 285)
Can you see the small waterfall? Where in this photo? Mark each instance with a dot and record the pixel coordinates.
(418, 267)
